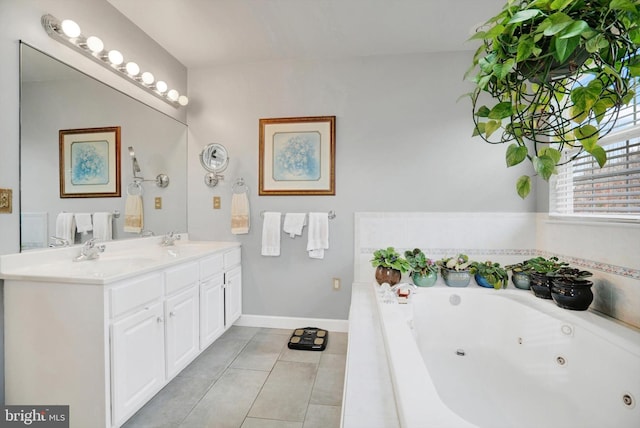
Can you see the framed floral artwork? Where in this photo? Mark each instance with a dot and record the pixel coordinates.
(90, 162)
(297, 156)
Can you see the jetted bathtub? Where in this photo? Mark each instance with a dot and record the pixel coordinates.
(476, 357)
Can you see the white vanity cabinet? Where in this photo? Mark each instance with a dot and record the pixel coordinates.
(104, 344)
(220, 294)
(232, 287)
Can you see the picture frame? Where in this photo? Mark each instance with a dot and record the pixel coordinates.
(297, 156)
(90, 162)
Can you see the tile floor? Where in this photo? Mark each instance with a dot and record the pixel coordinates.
(249, 378)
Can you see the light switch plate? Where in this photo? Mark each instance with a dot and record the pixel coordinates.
(6, 196)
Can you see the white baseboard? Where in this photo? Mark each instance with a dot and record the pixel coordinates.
(340, 326)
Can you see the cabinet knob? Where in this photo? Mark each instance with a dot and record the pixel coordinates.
(160, 320)
(172, 314)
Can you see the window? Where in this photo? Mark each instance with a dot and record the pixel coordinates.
(582, 188)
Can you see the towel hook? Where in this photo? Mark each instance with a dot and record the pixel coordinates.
(239, 186)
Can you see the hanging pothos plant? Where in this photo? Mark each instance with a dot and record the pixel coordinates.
(557, 73)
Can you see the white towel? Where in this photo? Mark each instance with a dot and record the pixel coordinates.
(271, 234)
(103, 226)
(83, 222)
(293, 223)
(239, 213)
(318, 235)
(133, 214)
(66, 227)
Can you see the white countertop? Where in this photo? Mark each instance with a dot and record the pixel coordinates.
(120, 260)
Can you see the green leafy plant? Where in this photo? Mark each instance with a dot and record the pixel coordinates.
(420, 263)
(556, 72)
(458, 263)
(570, 274)
(544, 266)
(390, 258)
(492, 272)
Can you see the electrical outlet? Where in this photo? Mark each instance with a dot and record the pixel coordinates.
(336, 283)
(216, 202)
(5, 200)
(158, 202)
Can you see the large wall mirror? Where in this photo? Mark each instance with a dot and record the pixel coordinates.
(54, 97)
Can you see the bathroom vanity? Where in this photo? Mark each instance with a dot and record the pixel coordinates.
(103, 336)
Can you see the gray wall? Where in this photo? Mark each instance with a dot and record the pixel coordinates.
(403, 144)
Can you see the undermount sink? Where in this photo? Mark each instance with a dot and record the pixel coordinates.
(119, 260)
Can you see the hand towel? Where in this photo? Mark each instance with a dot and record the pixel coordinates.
(103, 226)
(293, 223)
(239, 213)
(318, 235)
(66, 227)
(83, 222)
(271, 234)
(133, 214)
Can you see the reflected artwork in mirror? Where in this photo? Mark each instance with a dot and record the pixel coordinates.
(54, 97)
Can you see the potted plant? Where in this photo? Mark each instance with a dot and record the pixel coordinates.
(424, 271)
(455, 270)
(540, 274)
(489, 274)
(520, 274)
(570, 289)
(389, 265)
(557, 72)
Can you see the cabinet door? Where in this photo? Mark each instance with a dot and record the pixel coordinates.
(233, 296)
(137, 358)
(182, 330)
(211, 310)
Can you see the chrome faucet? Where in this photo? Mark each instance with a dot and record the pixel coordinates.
(169, 239)
(90, 251)
(55, 241)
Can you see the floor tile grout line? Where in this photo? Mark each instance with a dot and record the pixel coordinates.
(226, 368)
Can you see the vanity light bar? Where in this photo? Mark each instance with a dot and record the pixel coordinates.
(68, 33)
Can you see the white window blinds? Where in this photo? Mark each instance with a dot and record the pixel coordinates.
(582, 188)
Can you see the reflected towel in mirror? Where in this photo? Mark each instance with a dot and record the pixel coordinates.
(133, 214)
(83, 222)
(103, 226)
(66, 227)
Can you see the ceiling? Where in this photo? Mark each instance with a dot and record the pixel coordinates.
(206, 33)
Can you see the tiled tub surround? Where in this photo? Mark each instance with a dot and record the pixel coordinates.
(610, 251)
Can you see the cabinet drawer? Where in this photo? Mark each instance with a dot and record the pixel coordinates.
(135, 292)
(232, 258)
(181, 276)
(211, 265)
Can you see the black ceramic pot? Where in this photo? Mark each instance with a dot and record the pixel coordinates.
(572, 294)
(540, 285)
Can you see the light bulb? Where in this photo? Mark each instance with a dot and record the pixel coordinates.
(94, 44)
(70, 28)
(161, 86)
(147, 78)
(115, 57)
(132, 68)
(173, 95)
(183, 100)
